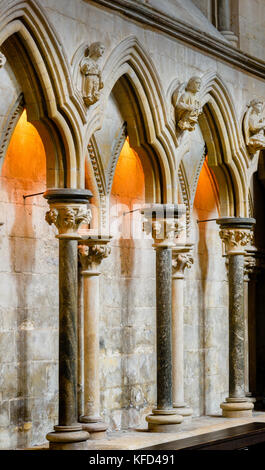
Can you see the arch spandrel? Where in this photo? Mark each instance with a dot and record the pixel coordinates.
(227, 156)
(129, 64)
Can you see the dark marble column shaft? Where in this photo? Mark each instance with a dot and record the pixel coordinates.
(68, 210)
(237, 235)
(67, 332)
(164, 327)
(236, 327)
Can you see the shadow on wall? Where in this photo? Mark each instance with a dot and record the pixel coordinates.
(131, 343)
(206, 206)
(26, 297)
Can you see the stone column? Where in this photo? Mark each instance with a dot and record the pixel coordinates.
(163, 223)
(225, 21)
(182, 259)
(68, 210)
(236, 232)
(249, 270)
(91, 252)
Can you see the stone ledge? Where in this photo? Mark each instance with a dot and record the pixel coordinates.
(139, 438)
(188, 34)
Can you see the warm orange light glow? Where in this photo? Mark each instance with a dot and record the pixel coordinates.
(207, 194)
(128, 194)
(25, 157)
(128, 182)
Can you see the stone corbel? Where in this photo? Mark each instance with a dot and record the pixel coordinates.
(181, 259)
(91, 255)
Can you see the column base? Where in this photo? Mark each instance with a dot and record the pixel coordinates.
(231, 37)
(250, 397)
(183, 410)
(164, 421)
(68, 438)
(237, 409)
(95, 430)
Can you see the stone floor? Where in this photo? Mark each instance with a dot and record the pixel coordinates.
(139, 438)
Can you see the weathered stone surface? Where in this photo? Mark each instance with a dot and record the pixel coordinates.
(164, 334)
(236, 327)
(29, 252)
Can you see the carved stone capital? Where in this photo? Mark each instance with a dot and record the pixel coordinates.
(165, 231)
(68, 210)
(163, 222)
(236, 240)
(91, 255)
(180, 261)
(237, 234)
(67, 219)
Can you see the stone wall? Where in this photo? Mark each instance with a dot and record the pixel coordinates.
(206, 307)
(127, 333)
(28, 297)
(29, 257)
(251, 26)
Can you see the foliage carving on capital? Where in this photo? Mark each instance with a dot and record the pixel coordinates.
(68, 219)
(254, 126)
(187, 104)
(91, 73)
(163, 229)
(181, 261)
(236, 239)
(91, 256)
(250, 266)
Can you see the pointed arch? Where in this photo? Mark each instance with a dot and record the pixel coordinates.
(37, 58)
(227, 155)
(129, 60)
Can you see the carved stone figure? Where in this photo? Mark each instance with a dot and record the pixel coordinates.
(187, 104)
(90, 69)
(254, 126)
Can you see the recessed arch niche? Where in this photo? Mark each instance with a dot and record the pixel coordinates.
(29, 280)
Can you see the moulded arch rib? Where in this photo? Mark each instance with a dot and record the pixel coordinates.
(26, 19)
(130, 60)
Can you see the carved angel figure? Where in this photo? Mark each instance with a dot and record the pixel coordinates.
(90, 69)
(254, 126)
(187, 104)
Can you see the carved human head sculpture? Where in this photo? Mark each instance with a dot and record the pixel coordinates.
(194, 84)
(257, 105)
(96, 50)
